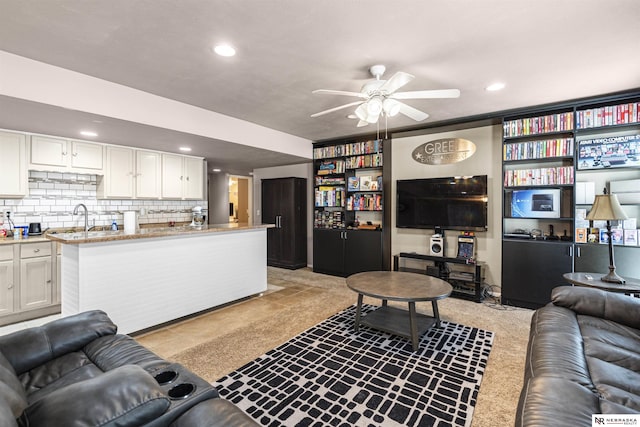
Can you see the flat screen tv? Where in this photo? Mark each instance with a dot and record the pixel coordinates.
(453, 203)
(537, 203)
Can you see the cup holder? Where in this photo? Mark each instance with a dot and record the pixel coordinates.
(166, 377)
(182, 391)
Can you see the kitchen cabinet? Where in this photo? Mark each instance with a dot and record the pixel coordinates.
(13, 174)
(284, 202)
(131, 173)
(148, 175)
(118, 180)
(182, 177)
(36, 284)
(61, 155)
(7, 280)
(346, 252)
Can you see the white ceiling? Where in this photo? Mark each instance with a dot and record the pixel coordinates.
(545, 51)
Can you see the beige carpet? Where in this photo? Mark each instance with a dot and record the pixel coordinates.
(239, 333)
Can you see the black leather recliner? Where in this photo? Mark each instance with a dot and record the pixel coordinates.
(583, 358)
(78, 371)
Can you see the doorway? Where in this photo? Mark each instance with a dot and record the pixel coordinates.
(240, 199)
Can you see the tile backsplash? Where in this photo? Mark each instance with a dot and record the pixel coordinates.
(52, 197)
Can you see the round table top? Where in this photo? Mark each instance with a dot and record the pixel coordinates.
(399, 286)
(593, 280)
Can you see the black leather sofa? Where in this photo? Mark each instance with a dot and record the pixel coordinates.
(77, 371)
(583, 358)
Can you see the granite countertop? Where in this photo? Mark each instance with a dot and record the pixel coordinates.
(29, 239)
(147, 232)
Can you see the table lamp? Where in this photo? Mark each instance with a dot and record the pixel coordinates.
(606, 207)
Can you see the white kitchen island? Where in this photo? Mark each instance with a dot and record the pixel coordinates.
(157, 275)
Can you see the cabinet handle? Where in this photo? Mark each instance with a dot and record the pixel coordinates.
(578, 254)
(75, 154)
(48, 281)
(181, 178)
(64, 153)
(571, 251)
(36, 250)
(10, 286)
(187, 178)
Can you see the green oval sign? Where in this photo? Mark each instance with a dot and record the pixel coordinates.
(444, 151)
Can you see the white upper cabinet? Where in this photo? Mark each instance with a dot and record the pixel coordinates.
(182, 177)
(148, 174)
(13, 173)
(119, 177)
(61, 155)
(131, 173)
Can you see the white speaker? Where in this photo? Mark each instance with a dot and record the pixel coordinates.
(436, 245)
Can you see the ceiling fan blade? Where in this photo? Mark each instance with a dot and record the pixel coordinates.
(412, 113)
(339, 92)
(427, 94)
(331, 110)
(362, 123)
(396, 81)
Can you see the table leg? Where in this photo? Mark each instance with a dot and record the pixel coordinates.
(413, 324)
(384, 302)
(436, 314)
(356, 326)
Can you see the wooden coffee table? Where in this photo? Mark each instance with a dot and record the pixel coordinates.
(399, 286)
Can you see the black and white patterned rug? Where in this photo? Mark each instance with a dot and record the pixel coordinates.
(332, 376)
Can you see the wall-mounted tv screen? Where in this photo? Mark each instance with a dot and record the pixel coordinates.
(453, 203)
(538, 203)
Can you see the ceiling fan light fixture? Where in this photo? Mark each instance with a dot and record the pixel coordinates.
(391, 107)
(374, 107)
(361, 111)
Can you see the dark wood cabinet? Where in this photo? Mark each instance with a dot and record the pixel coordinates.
(346, 252)
(592, 258)
(530, 270)
(284, 204)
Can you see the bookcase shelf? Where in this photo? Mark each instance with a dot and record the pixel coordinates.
(351, 200)
(594, 142)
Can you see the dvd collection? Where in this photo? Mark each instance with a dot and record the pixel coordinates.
(364, 202)
(560, 147)
(543, 176)
(352, 149)
(610, 115)
(561, 122)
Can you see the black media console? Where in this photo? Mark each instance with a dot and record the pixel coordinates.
(466, 277)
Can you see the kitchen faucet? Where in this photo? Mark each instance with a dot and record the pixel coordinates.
(86, 215)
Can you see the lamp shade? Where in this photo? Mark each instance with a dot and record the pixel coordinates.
(606, 207)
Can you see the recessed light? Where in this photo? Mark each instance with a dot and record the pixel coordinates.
(224, 50)
(494, 87)
(88, 133)
(185, 148)
(216, 170)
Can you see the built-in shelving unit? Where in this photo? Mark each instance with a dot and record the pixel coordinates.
(349, 207)
(554, 162)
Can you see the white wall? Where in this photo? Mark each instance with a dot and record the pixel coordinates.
(485, 161)
(303, 170)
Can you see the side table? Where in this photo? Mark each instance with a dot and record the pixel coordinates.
(592, 280)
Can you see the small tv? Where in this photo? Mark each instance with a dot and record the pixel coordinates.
(537, 203)
(451, 203)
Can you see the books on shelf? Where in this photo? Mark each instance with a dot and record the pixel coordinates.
(542, 176)
(610, 115)
(331, 167)
(364, 161)
(560, 147)
(366, 147)
(329, 151)
(353, 183)
(325, 180)
(329, 197)
(560, 122)
(328, 219)
(364, 202)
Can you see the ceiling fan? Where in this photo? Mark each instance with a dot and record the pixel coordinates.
(379, 97)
